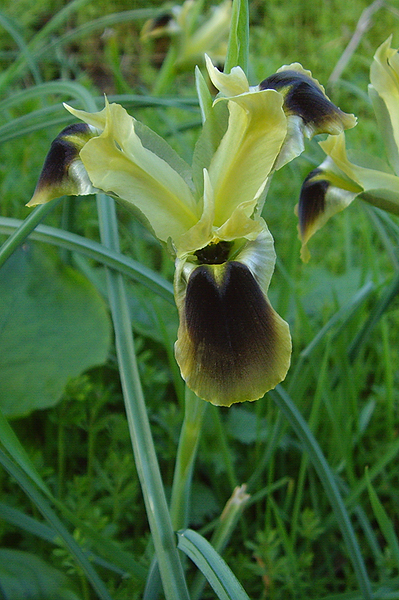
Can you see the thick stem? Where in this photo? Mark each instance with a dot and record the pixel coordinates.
(186, 454)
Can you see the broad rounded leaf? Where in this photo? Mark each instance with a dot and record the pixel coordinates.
(24, 575)
(53, 326)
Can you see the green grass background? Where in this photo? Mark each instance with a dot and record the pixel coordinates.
(342, 309)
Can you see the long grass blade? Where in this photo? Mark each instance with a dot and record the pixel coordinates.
(20, 65)
(9, 26)
(297, 422)
(379, 309)
(223, 581)
(67, 89)
(48, 513)
(24, 229)
(76, 243)
(385, 523)
(238, 44)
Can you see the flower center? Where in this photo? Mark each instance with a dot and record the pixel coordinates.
(214, 254)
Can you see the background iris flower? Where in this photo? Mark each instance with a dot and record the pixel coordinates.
(192, 35)
(231, 346)
(338, 181)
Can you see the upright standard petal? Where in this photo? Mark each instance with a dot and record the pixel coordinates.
(384, 93)
(118, 163)
(240, 168)
(232, 346)
(63, 172)
(229, 84)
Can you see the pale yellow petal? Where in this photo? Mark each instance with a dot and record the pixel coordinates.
(366, 179)
(229, 84)
(384, 77)
(118, 163)
(96, 120)
(240, 168)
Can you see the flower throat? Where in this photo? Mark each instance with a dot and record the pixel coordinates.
(214, 254)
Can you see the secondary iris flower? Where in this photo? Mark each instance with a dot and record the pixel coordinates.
(192, 34)
(338, 181)
(231, 346)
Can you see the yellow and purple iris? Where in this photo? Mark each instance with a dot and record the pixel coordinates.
(338, 181)
(231, 345)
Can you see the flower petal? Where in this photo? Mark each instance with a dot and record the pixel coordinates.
(319, 200)
(229, 84)
(63, 172)
(305, 97)
(384, 93)
(118, 163)
(232, 346)
(368, 179)
(240, 167)
(308, 109)
(334, 185)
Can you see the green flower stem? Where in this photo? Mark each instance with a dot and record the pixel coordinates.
(167, 73)
(164, 540)
(27, 226)
(182, 479)
(186, 453)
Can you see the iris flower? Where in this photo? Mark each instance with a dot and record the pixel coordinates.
(338, 181)
(191, 35)
(231, 345)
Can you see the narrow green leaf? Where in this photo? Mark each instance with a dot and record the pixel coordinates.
(10, 26)
(385, 523)
(309, 443)
(219, 575)
(42, 505)
(379, 308)
(14, 447)
(21, 229)
(19, 66)
(65, 89)
(344, 314)
(76, 243)
(121, 562)
(175, 587)
(238, 45)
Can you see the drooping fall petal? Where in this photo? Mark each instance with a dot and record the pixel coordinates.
(232, 346)
(63, 172)
(308, 109)
(319, 200)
